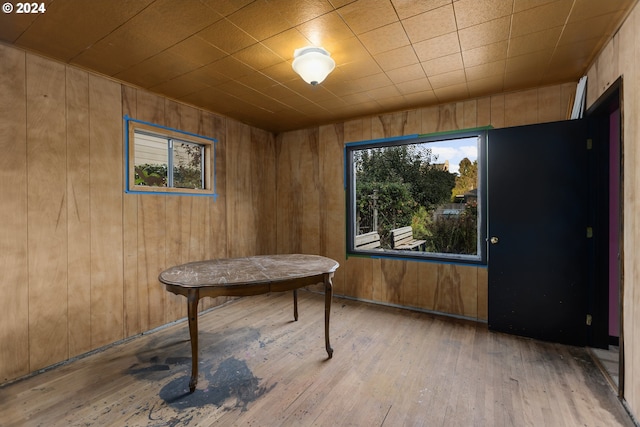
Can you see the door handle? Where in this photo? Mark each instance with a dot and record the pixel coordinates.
(493, 240)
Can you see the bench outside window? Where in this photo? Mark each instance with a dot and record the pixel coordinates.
(368, 240)
(402, 239)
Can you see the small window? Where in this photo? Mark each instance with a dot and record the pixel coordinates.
(165, 160)
(418, 197)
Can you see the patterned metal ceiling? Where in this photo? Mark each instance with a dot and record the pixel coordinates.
(233, 57)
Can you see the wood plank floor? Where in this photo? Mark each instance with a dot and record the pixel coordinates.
(391, 367)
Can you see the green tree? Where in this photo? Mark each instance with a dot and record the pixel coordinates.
(403, 179)
(467, 178)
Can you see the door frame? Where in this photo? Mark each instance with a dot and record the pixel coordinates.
(599, 113)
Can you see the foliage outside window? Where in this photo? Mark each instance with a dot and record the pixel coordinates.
(164, 160)
(432, 184)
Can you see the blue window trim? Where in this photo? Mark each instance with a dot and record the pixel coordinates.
(481, 260)
(127, 190)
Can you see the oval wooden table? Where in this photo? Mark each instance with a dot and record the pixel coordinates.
(247, 276)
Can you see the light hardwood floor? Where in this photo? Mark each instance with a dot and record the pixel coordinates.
(391, 367)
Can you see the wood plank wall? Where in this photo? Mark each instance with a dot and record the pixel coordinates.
(621, 57)
(79, 257)
(310, 198)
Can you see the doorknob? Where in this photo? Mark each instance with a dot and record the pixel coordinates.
(493, 240)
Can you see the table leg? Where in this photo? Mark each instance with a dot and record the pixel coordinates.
(192, 311)
(295, 305)
(328, 293)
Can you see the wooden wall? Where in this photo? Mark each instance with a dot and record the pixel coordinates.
(311, 198)
(79, 257)
(621, 57)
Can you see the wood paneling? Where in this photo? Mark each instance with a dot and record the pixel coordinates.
(106, 184)
(131, 307)
(78, 211)
(262, 175)
(332, 221)
(80, 257)
(446, 288)
(298, 219)
(621, 57)
(14, 285)
(281, 193)
(250, 162)
(47, 212)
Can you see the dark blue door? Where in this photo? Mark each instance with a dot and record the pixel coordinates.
(538, 231)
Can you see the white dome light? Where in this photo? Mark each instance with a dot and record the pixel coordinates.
(313, 64)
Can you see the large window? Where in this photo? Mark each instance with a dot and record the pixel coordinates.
(165, 160)
(418, 197)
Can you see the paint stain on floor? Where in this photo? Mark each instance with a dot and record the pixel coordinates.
(223, 382)
(231, 380)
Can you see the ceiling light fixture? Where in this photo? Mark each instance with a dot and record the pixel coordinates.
(313, 64)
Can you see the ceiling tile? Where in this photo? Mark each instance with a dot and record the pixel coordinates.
(383, 93)
(179, 86)
(443, 64)
(483, 71)
(153, 71)
(347, 51)
(533, 42)
(327, 30)
(486, 86)
(243, 92)
(285, 43)
(430, 24)
(437, 47)
(404, 74)
(299, 11)
(486, 33)
(408, 8)
(515, 81)
(452, 93)
(447, 79)
(385, 38)
(226, 36)
(226, 7)
(357, 69)
(593, 28)
(68, 28)
(521, 5)
(234, 57)
(230, 67)
(474, 12)
(196, 50)
(344, 88)
(207, 75)
(117, 52)
(365, 15)
(258, 57)
(212, 99)
(578, 50)
(414, 86)
(281, 72)
(260, 20)
(396, 58)
(540, 18)
(12, 26)
(373, 81)
(259, 82)
(586, 9)
(485, 54)
(532, 63)
(420, 99)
